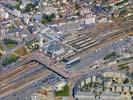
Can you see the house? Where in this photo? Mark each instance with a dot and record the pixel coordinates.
(125, 88)
(115, 74)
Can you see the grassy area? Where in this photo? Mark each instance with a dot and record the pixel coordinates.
(21, 51)
(122, 66)
(1, 47)
(10, 43)
(9, 46)
(125, 59)
(64, 92)
(112, 54)
(10, 59)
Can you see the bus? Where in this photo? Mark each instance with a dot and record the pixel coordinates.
(73, 62)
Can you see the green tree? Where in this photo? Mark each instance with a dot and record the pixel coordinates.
(49, 19)
(77, 6)
(44, 20)
(52, 15)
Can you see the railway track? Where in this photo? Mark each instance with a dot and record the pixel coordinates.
(14, 76)
(14, 72)
(11, 88)
(19, 78)
(105, 41)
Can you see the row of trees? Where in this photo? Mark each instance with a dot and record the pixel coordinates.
(9, 41)
(10, 59)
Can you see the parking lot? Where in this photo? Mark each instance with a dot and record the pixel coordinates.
(51, 79)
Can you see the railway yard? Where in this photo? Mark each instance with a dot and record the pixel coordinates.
(29, 70)
(66, 49)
